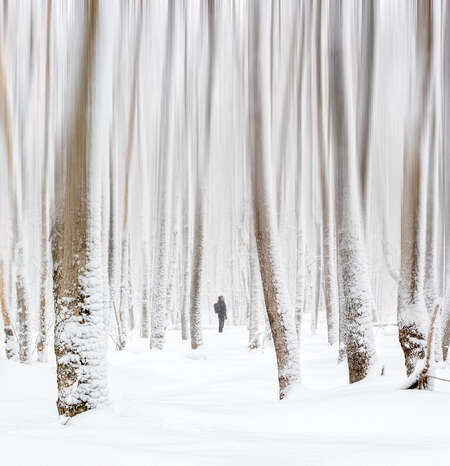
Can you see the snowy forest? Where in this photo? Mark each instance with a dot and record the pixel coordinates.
(290, 156)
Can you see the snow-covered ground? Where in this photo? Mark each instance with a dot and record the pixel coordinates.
(170, 408)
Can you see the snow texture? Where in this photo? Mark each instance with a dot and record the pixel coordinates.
(168, 410)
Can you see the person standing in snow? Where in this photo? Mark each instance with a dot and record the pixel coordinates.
(220, 309)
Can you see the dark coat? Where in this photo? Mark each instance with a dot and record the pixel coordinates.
(221, 309)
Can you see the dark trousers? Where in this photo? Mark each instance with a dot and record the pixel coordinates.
(221, 322)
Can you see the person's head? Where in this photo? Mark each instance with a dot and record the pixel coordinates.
(220, 298)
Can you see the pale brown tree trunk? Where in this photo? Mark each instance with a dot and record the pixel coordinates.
(15, 198)
(42, 342)
(255, 333)
(446, 185)
(412, 310)
(80, 344)
(279, 311)
(354, 272)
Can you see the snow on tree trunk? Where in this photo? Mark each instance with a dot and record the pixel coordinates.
(413, 319)
(145, 290)
(10, 339)
(198, 274)
(185, 315)
(279, 310)
(15, 198)
(124, 302)
(131, 318)
(159, 309)
(354, 272)
(328, 228)
(300, 281)
(80, 346)
(42, 342)
(254, 323)
(446, 185)
(171, 289)
(126, 316)
(23, 311)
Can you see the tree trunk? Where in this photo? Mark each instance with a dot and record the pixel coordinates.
(158, 317)
(354, 272)
(80, 345)
(279, 311)
(254, 331)
(446, 185)
(413, 320)
(43, 313)
(328, 227)
(10, 339)
(198, 281)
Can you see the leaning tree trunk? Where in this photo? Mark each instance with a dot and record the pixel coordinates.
(80, 345)
(279, 310)
(354, 272)
(254, 321)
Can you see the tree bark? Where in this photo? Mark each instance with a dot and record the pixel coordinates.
(354, 272)
(412, 311)
(45, 252)
(279, 311)
(10, 339)
(80, 345)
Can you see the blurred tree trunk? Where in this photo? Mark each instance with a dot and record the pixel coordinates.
(80, 344)
(126, 316)
(15, 198)
(413, 320)
(279, 311)
(159, 308)
(42, 342)
(446, 184)
(354, 272)
(328, 227)
(198, 278)
(10, 339)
